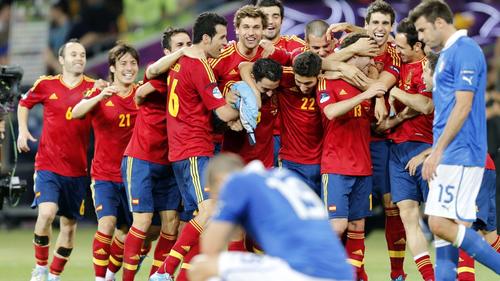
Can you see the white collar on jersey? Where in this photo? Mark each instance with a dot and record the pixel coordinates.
(454, 37)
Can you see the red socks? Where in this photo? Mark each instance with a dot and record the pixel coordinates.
(163, 247)
(132, 250)
(100, 252)
(115, 255)
(396, 241)
(41, 254)
(189, 237)
(424, 265)
(465, 270)
(496, 244)
(355, 247)
(237, 246)
(195, 250)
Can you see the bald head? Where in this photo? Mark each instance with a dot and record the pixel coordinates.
(219, 168)
(316, 28)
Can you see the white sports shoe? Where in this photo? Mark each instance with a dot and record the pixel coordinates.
(54, 278)
(39, 274)
(161, 277)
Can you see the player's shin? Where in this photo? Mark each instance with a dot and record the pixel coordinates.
(100, 252)
(472, 243)
(396, 240)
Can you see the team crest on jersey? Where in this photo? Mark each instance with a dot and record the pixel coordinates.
(323, 97)
(216, 92)
(408, 80)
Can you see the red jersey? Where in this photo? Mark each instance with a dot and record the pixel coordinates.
(418, 128)
(288, 43)
(490, 165)
(346, 141)
(149, 141)
(388, 61)
(113, 121)
(237, 142)
(301, 128)
(225, 67)
(192, 95)
(64, 141)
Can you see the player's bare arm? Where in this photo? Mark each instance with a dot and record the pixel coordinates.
(246, 75)
(455, 122)
(24, 133)
(142, 92)
(419, 103)
(163, 64)
(363, 47)
(343, 27)
(86, 105)
(417, 161)
(340, 108)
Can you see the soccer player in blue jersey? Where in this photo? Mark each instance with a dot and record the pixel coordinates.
(282, 213)
(455, 166)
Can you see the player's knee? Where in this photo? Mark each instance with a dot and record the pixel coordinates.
(46, 215)
(202, 268)
(437, 226)
(106, 226)
(170, 222)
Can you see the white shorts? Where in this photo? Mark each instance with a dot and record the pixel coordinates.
(241, 266)
(452, 194)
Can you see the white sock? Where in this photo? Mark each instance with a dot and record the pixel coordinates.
(100, 279)
(53, 276)
(460, 236)
(109, 275)
(37, 266)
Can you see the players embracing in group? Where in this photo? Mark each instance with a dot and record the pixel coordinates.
(336, 119)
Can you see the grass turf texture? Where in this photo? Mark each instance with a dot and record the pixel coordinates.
(17, 261)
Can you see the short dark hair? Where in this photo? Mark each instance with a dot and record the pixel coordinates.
(408, 29)
(205, 24)
(166, 42)
(307, 64)
(380, 6)
(249, 11)
(317, 28)
(118, 51)
(352, 38)
(267, 68)
(431, 10)
(61, 50)
(432, 59)
(272, 3)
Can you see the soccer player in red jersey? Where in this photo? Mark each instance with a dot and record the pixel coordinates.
(147, 170)
(275, 12)
(192, 97)
(61, 160)
(249, 22)
(345, 163)
(112, 112)
(302, 131)
(378, 22)
(410, 137)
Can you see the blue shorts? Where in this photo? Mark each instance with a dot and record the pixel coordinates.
(379, 151)
(486, 203)
(110, 199)
(67, 192)
(404, 186)
(150, 187)
(276, 150)
(310, 174)
(190, 176)
(347, 196)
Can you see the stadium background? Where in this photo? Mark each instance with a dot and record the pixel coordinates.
(31, 31)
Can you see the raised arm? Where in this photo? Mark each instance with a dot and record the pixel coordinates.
(86, 105)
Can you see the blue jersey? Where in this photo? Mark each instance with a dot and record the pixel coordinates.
(287, 219)
(461, 67)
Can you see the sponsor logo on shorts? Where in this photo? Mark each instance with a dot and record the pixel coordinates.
(332, 208)
(135, 201)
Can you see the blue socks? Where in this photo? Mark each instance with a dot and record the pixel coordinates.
(446, 261)
(478, 248)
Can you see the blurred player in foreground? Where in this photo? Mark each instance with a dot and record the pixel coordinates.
(277, 209)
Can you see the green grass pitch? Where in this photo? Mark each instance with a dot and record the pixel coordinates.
(16, 258)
